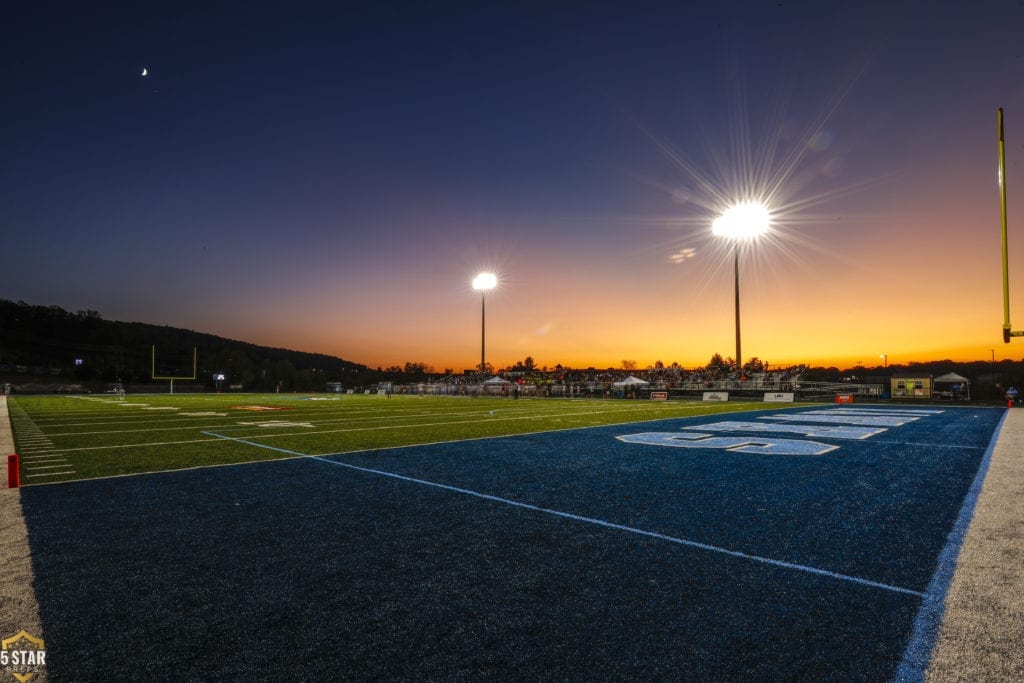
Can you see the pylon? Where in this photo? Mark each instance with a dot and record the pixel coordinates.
(13, 476)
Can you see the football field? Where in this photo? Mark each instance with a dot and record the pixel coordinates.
(78, 437)
(361, 537)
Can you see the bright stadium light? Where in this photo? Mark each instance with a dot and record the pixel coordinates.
(743, 222)
(482, 283)
(485, 281)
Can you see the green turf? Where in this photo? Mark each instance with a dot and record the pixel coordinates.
(79, 437)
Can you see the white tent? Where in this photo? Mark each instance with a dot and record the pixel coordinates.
(495, 386)
(629, 382)
(957, 386)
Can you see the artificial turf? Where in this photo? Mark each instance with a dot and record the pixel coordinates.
(559, 555)
(102, 436)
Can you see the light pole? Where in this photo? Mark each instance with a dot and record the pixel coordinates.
(885, 360)
(743, 222)
(482, 283)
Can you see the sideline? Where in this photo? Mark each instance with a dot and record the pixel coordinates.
(19, 609)
(982, 634)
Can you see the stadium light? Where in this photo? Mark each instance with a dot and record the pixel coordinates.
(743, 222)
(885, 360)
(482, 283)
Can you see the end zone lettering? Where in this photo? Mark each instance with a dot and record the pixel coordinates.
(736, 444)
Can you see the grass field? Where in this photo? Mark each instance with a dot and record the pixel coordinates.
(65, 438)
(457, 539)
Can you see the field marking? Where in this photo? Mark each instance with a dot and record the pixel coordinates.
(178, 427)
(41, 451)
(634, 530)
(489, 420)
(72, 418)
(217, 437)
(277, 423)
(591, 520)
(317, 432)
(221, 437)
(930, 445)
(357, 412)
(487, 415)
(141, 445)
(822, 417)
(293, 454)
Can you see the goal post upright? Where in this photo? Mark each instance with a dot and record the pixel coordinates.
(171, 378)
(1007, 328)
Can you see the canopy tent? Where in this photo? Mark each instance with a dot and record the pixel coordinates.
(629, 381)
(954, 386)
(495, 386)
(951, 377)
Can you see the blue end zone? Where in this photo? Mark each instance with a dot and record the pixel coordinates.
(781, 544)
(879, 507)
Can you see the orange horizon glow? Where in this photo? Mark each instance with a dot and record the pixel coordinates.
(644, 363)
(846, 353)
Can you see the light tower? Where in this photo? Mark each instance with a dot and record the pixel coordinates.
(482, 283)
(743, 222)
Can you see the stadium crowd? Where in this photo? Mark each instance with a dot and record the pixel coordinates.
(612, 382)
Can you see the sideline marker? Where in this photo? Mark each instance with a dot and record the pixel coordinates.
(13, 479)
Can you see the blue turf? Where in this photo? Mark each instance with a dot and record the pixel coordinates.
(878, 508)
(302, 566)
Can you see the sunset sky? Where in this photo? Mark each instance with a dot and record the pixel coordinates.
(331, 177)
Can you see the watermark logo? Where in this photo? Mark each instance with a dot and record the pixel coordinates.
(23, 655)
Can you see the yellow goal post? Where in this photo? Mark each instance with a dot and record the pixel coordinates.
(172, 377)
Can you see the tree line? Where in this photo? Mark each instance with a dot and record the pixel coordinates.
(63, 346)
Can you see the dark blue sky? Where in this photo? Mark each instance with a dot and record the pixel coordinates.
(329, 177)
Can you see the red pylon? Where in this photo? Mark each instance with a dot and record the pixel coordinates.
(13, 475)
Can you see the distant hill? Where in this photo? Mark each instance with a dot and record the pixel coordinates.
(50, 342)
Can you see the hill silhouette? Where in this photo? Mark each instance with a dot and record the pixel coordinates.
(50, 344)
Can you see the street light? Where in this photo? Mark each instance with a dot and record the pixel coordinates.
(743, 222)
(482, 283)
(885, 360)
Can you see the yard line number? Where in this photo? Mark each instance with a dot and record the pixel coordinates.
(841, 423)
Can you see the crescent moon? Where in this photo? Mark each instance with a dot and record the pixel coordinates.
(145, 72)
